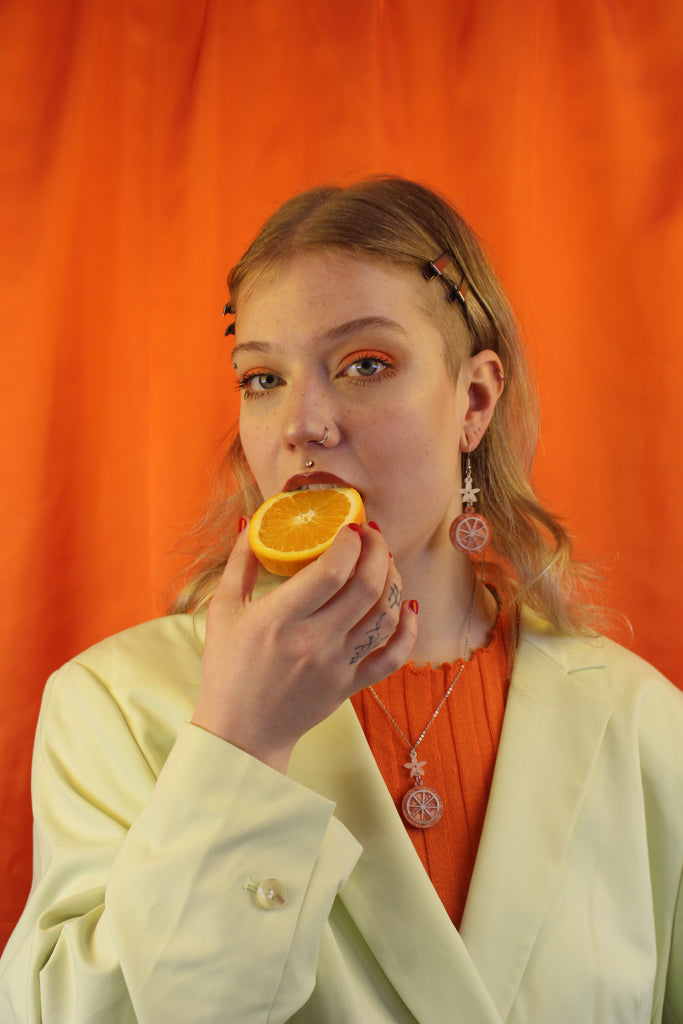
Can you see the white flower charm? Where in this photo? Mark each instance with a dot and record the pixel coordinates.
(415, 766)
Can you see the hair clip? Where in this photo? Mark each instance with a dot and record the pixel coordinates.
(458, 293)
(455, 292)
(437, 266)
(229, 310)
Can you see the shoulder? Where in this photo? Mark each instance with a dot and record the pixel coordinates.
(171, 645)
(638, 699)
(595, 661)
(141, 683)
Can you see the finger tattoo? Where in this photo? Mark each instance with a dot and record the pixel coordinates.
(395, 596)
(374, 637)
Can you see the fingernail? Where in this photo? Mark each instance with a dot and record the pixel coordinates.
(374, 526)
(414, 606)
(241, 525)
(355, 527)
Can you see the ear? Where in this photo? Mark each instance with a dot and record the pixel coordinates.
(482, 376)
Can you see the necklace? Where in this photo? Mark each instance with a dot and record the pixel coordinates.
(422, 806)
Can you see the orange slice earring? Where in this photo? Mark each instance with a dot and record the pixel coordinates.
(470, 532)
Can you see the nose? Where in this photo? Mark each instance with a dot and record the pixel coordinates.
(309, 417)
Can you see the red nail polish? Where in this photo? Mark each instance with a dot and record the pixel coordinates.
(373, 526)
(241, 525)
(355, 527)
(414, 606)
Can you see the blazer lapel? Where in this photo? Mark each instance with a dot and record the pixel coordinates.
(389, 895)
(552, 732)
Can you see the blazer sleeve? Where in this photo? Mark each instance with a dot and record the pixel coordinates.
(146, 903)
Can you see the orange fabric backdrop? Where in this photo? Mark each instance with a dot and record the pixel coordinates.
(143, 141)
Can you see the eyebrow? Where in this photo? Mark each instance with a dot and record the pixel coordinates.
(337, 333)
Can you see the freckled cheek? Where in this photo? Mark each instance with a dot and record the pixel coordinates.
(258, 447)
(402, 465)
(429, 459)
(412, 441)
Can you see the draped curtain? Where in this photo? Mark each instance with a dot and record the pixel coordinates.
(143, 142)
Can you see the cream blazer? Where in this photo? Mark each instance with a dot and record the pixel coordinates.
(152, 838)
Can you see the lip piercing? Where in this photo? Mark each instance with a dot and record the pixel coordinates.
(309, 463)
(324, 438)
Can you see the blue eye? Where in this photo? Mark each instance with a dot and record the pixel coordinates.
(254, 384)
(266, 381)
(368, 366)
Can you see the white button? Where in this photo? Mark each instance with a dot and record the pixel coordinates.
(270, 894)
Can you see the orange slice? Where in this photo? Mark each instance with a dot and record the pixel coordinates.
(290, 530)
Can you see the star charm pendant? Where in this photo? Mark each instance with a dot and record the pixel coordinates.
(469, 493)
(415, 766)
(421, 806)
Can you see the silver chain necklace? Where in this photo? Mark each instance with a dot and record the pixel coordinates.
(422, 806)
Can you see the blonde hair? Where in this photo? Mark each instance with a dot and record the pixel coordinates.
(401, 222)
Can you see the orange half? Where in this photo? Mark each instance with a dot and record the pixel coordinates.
(292, 529)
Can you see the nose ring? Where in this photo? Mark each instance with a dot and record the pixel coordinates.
(324, 438)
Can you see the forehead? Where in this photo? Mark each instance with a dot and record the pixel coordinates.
(324, 288)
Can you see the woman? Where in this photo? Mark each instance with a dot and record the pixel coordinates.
(275, 810)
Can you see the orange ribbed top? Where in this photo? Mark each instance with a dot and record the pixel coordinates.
(460, 749)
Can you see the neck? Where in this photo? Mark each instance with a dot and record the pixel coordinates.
(443, 590)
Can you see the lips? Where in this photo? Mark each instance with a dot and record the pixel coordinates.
(300, 480)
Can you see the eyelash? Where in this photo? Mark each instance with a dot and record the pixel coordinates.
(245, 379)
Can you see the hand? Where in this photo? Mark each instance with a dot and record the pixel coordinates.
(275, 667)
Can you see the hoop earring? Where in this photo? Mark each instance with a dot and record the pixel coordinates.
(470, 532)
